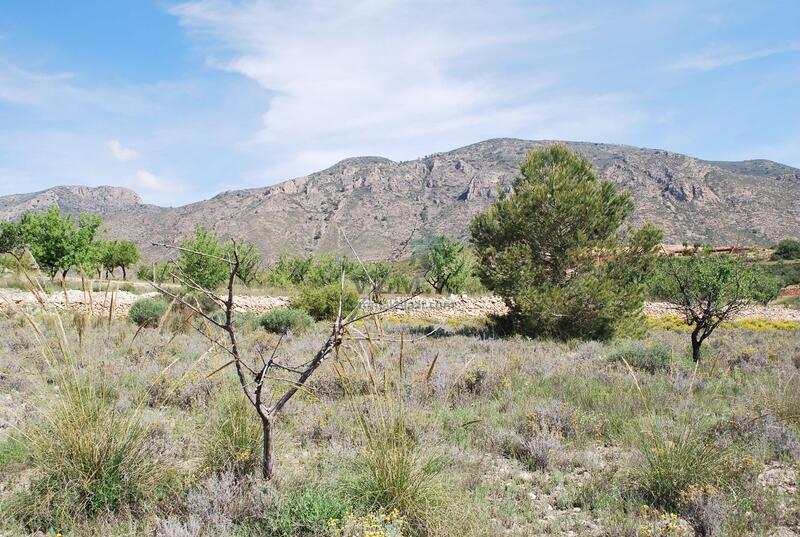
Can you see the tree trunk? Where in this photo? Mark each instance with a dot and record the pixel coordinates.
(124, 274)
(695, 347)
(268, 461)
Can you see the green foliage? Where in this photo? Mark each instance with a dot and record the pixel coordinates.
(786, 272)
(707, 289)
(203, 259)
(322, 303)
(233, 436)
(282, 321)
(552, 249)
(11, 239)
(12, 450)
(90, 457)
(57, 242)
(206, 261)
(118, 254)
(445, 262)
(650, 356)
(787, 249)
(249, 262)
(306, 512)
(377, 272)
(721, 279)
(288, 271)
(147, 311)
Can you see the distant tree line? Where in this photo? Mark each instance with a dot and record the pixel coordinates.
(59, 243)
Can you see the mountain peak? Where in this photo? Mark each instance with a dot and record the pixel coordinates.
(378, 202)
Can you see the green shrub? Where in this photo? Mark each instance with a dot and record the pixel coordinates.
(787, 273)
(322, 303)
(89, 457)
(233, 437)
(650, 356)
(147, 311)
(787, 249)
(305, 512)
(281, 321)
(12, 450)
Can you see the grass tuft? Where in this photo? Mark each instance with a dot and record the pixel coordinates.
(88, 458)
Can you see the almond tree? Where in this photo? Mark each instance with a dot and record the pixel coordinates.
(267, 381)
(708, 289)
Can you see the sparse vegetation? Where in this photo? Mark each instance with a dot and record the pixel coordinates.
(500, 428)
(395, 429)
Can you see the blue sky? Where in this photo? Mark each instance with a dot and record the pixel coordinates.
(182, 100)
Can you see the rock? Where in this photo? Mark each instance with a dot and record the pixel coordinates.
(780, 477)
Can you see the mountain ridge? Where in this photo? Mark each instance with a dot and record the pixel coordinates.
(378, 201)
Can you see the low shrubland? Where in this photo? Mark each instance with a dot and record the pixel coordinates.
(454, 434)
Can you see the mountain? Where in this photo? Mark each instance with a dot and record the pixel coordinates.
(102, 200)
(378, 202)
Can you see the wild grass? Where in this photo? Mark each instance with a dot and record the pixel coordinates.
(232, 438)
(428, 434)
(88, 457)
(396, 470)
(679, 459)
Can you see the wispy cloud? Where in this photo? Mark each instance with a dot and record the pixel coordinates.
(715, 59)
(150, 182)
(120, 152)
(399, 79)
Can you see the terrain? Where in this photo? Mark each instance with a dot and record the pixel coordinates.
(379, 202)
(509, 436)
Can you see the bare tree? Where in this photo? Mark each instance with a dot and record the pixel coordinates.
(267, 382)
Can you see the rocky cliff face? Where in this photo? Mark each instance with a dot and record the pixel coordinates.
(102, 200)
(378, 202)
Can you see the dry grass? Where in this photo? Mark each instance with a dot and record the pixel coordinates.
(440, 443)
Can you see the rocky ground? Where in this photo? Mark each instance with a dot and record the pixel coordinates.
(419, 307)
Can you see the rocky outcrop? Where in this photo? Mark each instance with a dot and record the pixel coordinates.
(103, 200)
(379, 202)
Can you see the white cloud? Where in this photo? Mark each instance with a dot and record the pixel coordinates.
(121, 152)
(400, 79)
(148, 181)
(715, 59)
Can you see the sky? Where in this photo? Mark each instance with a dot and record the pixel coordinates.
(180, 100)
